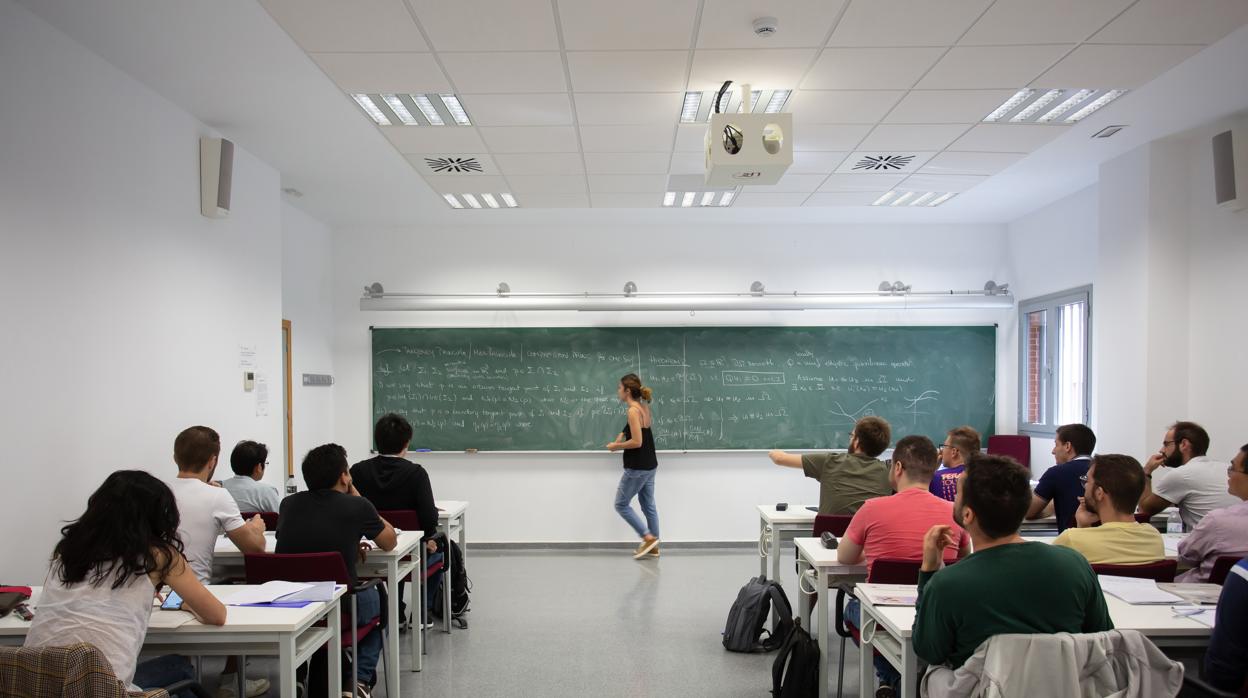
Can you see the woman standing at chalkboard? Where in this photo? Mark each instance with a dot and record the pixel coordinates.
(640, 462)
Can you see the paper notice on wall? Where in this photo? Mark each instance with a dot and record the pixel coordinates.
(262, 395)
(247, 356)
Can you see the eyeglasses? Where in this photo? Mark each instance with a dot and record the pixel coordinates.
(1231, 469)
(1166, 443)
(1083, 479)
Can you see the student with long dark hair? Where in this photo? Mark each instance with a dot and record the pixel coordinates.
(640, 462)
(106, 569)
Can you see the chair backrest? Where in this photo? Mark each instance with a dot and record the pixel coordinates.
(79, 670)
(402, 519)
(1222, 567)
(886, 570)
(1161, 570)
(836, 523)
(295, 567)
(1015, 446)
(269, 518)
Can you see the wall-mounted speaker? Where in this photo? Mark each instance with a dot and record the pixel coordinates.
(216, 170)
(1230, 167)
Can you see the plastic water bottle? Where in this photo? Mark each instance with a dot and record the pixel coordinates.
(1174, 522)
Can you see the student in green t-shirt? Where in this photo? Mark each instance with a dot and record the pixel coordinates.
(1007, 585)
(846, 480)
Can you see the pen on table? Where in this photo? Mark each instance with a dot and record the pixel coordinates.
(1187, 611)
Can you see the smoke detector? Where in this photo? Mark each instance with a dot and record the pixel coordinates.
(766, 26)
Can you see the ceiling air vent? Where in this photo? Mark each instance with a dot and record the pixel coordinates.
(874, 162)
(1107, 131)
(883, 163)
(454, 165)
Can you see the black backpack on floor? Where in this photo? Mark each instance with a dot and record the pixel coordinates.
(461, 585)
(744, 631)
(795, 673)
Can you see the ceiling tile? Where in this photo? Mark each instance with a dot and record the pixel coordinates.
(691, 138)
(791, 184)
(505, 72)
(890, 23)
(530, 139)
(333, 25)
(651, 200)
(383, 72)
(884, 163)
(553, 200)
(627, 163)
(1007, 138)
(547, 184)
(761, 69)
(626, 139)
(612, 109)
(981, 67)
(861, 182)
(470, 185)
(842, 106)
(519, 110)
(488, 25)
(951, 163)
(946, 106)
(814, 162)
(628, 71)
(434, 139)
(869, 68)
(1171, 22)
(942, 183)
(689, 163)
(912, 136)
(627, 183)
(1047, 22)
(636, 24)
(830, 136)
(730, 23)
(843, 198)
(1111, 66)
(454, 165)
(765, 199)
(539, 163)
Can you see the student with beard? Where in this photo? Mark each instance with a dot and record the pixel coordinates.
(1181, 475)
(1112, 487)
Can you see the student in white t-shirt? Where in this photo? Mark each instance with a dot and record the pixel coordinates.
(1181, 475)
(206, 512)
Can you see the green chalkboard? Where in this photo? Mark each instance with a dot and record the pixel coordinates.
(553, 389)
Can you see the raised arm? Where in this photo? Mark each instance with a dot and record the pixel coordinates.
(1151, 503)
(788, 460)
(196, 598)
(249, 537)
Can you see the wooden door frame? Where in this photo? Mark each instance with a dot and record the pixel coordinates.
(288, 404)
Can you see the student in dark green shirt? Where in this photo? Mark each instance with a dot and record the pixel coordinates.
(1007, 585)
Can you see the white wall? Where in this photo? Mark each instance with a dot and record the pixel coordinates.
(123, 308)
(701, 496)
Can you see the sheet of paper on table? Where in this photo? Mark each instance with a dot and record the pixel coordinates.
(890, 594)
(1195, 593)
(1136, 591)
(265, 593)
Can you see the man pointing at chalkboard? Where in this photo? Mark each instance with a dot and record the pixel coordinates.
(846, 480)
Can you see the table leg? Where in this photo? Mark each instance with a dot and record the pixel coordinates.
(909, 670)
(821, 631)
(803, 600)
(418, 619)
(286, 659)
(463, 536)
(763, 541)
(334, 665)
(446, 584)
(866, 655)
(775, 553)
(392, 628)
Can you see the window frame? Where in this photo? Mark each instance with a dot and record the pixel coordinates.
(1051, 303)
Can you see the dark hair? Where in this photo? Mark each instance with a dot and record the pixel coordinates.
(918, 457)
(130, 528)
(1122, 478)
(246, 456)
(998, 490)
(323, 466)
(1195, 435)
(1244, 450)
(1079, 436)
(966, 440)
(392, 433)
(194, 447)
(873, 434)
(632, 383)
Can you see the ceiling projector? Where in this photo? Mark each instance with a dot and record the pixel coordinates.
(748, 148)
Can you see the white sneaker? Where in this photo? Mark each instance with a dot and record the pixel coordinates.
(255, 687)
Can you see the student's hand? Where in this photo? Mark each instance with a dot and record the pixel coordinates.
(775, 456)
(1154, 462)
(364, 548)
(257, 522)
(215, 483)
(1085, 518)
(611, 447)
(935, 541)
(431, 545)
(352, 491)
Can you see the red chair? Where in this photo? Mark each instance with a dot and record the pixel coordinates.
(318, 567)
(1161, 570)
(409, 520)
(836, 523)
(1222, 567)
(269, 517)
(1015, 446)
(883, 571)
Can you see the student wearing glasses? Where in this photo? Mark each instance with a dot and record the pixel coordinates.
(1223, 532)
(248, 460)
(961, 444)
(1112, 487)
(1181, 475)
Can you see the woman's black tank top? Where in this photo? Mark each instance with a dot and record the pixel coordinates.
(642, 457)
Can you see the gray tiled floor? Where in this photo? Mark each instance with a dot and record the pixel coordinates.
(597, 623)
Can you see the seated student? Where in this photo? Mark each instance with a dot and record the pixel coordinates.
(391, 482)
(1114, 484)
(248, 461)
(1181, 475)
(1223, 532)
(1225, 667)
(961, 444)
(1007, 585)
(105, 570)
(1063, 483)
(894, 526)
(846, 480)
(331, 516)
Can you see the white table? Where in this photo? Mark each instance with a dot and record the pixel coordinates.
(820, 566)
(390, 565)
(774, 527)
(291, 634)
(451, 517)
(888, 630)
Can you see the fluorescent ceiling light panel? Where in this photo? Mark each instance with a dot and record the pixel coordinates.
(725, 104)
(707, 198)
(776, 103)
(754, 95)
(1065, 106)
(687, 200)
(396, 105)
(489, 200)
(884, 199)
(1096, 104)
(426, 108)
(472, 201)
(366, 103)
(942, 198)
(1035, 107)
(450, 199)
(902, 199)
(456, 109)
(509, 200)
(1010, 105)
(923, 199)
(689, 110)
(669, 198)
(726, 198)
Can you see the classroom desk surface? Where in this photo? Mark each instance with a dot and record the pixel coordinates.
(776, 526)
(287, 633)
